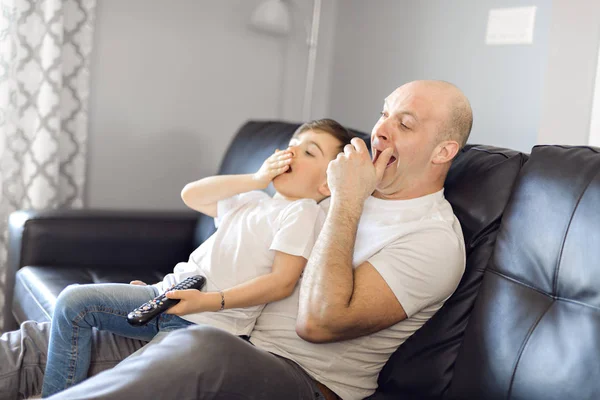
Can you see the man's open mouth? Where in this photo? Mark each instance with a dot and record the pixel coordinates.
(378, 153)
(288, 170)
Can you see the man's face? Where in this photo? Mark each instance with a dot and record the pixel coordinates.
(409, 123)
(311, 153)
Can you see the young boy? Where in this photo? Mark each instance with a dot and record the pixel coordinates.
(256, 256)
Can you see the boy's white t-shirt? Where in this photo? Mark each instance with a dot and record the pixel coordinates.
(417, 246)
(250, 227)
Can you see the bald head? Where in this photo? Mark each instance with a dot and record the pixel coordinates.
(456, 117)
(460, 120)
(425, 123)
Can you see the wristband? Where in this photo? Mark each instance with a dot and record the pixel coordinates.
(222, 300)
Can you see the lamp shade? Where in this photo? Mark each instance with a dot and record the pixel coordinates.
(272, 17)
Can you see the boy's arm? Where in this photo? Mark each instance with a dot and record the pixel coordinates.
(203, 195)
(276, 285)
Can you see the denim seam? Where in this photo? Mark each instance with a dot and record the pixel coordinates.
(74, 356)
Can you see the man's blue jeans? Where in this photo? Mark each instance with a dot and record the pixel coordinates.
(79, 309)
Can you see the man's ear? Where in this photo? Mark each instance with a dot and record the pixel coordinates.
(445, 152)
(324, 189)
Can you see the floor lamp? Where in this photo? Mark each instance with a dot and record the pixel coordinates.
(273, 17)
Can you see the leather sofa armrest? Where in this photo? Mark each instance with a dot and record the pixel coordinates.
(97, 238)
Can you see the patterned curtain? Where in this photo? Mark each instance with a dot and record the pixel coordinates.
(45, 48)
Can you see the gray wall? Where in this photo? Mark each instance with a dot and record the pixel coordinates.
(172, 81)
(296, 60)
(571, 72)
(380, 44)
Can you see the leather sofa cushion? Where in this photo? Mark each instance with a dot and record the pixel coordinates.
(36, 288)
(478, 186)
(534, 332)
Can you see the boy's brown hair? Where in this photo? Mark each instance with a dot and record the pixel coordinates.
(330, 126)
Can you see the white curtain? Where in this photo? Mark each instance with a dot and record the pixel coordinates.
(45, 48)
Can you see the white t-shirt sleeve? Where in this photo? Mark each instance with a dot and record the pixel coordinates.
(422, 268)
(296, 232)
(229, 204)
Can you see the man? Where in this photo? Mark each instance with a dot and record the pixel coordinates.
(382, 266)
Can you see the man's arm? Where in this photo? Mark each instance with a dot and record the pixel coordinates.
(203, 195)
(336, 301)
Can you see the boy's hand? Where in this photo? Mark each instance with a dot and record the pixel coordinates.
(140, 283)
(192, 301)
(275, 165)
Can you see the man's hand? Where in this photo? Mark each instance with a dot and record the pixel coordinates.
(192, 301)
(352, 176)
(275, 165)
(139, 283)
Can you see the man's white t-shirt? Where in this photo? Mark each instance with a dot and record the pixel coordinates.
(250, 227)
(417, 246)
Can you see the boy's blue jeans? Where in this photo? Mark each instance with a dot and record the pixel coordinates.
(79, 308)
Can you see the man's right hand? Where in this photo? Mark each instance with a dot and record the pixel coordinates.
(140, 283)
(275, 165)
(352, 176)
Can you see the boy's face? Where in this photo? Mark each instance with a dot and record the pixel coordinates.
(307, 176)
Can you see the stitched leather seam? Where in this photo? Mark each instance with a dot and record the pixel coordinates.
(483, 150)
(34, 298)
(559, 261)
(520, 283)
(557, 298)
(522, 350)
(594, 149)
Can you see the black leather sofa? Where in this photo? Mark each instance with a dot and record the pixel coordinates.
(524, 322)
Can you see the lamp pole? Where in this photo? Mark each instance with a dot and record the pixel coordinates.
(312, 58)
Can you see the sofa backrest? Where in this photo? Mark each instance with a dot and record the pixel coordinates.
(534, 332)
(478, 186)
(253, 143)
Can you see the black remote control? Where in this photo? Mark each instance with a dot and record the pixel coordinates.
(144, 313)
